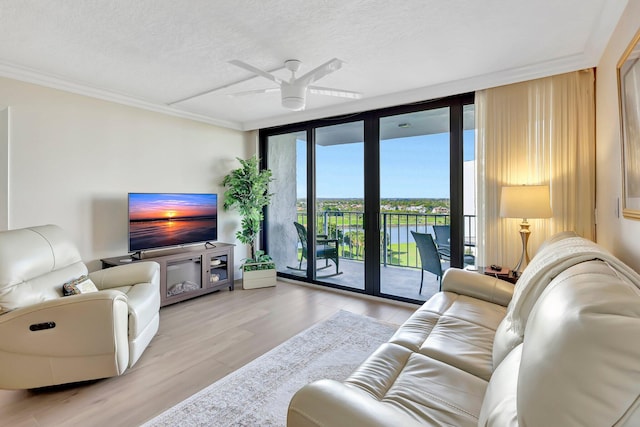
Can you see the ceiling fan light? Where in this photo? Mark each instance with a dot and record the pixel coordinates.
(293, 103)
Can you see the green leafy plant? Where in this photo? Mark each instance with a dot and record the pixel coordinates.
(248, 191)
(261, 261)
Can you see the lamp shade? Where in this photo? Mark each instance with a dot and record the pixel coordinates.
(525, 201)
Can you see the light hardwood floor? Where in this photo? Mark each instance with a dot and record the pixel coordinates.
(199, 342)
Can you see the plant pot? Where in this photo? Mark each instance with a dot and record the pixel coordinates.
(258, 275)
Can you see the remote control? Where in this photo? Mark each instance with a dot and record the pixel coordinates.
(496, 267)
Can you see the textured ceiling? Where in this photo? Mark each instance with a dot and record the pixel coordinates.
(150, 53)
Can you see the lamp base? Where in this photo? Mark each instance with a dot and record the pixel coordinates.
(524, 236)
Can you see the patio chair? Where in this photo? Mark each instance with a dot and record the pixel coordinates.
(443, 241)
(429, 257)
(326, 249)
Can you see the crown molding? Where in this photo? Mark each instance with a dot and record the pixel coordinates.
(28, 75)
(500, 78)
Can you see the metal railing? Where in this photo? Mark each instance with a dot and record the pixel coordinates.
(396, 243)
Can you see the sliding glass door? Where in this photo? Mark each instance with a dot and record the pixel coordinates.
(351, 192)
(318, 233)
(414, 198)
(339, 204)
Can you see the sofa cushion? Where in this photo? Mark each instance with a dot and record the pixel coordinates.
(499, 407)
(455, 329)
(421, 387)
(581, 351)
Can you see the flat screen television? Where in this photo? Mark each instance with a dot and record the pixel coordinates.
(159, 220)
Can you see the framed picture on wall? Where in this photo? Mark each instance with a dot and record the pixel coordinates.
(629, 100)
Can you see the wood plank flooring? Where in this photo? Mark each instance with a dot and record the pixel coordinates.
(199, 342)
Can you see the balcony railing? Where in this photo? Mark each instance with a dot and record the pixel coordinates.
(397, 245)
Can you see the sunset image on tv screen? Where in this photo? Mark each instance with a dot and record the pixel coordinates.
(171, 219)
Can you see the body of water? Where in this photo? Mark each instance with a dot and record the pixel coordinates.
(401, 234)
(155, 234)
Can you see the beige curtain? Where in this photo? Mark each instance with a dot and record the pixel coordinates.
(536, 132)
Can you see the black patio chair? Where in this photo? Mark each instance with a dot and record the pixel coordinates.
(326, 249)
(429, 257)
(443, 241)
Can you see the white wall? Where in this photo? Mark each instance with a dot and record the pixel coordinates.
(620, 235)
(73, 159)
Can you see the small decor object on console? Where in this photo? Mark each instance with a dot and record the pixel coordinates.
(81, 285)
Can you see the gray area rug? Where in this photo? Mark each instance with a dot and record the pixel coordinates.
(258, 394)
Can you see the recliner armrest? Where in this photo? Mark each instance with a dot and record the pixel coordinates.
(85, 324)
(477, 285)
(63, 340)
(126, 275)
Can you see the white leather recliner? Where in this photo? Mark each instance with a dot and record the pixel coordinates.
(48, 339)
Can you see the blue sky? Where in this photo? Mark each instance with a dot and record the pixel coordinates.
(415, 167)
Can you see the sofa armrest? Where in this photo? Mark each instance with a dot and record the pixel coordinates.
(127, 275)
(481, 286)
(331, 403)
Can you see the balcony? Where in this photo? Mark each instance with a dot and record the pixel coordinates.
(400, 270)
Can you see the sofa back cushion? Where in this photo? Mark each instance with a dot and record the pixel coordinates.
(499, 407)
(34, 264)
(581, 351)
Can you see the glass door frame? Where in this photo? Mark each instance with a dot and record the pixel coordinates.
(372, 224)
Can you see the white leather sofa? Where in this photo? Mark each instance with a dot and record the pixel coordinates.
(48, 339)
(562, 348)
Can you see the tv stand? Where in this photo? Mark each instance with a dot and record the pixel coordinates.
(188, 272)
(137, 255)
(209, 245)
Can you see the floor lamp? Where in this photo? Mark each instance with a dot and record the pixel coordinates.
(525, 201)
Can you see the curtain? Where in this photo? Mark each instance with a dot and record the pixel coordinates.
(540, 132)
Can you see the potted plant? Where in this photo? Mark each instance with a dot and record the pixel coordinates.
(258, 272)
(248, 191)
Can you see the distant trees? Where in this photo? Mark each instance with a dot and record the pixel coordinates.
(355, 241)
(386, 205)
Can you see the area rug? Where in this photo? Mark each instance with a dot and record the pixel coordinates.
(258, 394)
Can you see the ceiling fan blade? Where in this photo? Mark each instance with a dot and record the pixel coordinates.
(255, 70)
(319, 72)
(335, 92)
(253, 92)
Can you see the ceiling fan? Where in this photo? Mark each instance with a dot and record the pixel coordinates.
(294, 91)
